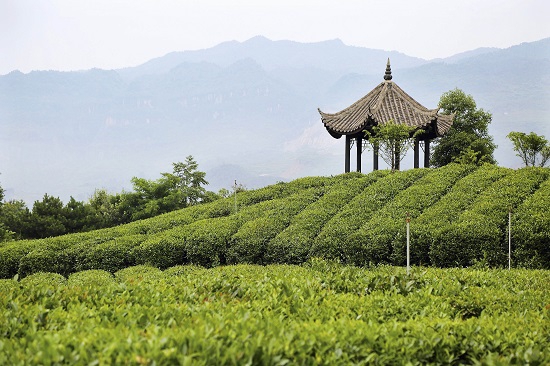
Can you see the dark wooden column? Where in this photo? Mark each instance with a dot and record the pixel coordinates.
(348, 148)
(359, 146)
(397, 162)
(375, 157)
(426, 153)
(416, 154)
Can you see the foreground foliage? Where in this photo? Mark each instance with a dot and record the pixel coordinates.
(317, 313)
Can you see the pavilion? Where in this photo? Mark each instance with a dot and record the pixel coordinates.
(384, 103)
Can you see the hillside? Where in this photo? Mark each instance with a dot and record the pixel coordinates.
(459, 218)
(244, 110)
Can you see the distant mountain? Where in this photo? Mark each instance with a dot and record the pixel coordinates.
(244, 110)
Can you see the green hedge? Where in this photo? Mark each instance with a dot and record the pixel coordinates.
(292, 245)
(531, 230)
(382, 239)
(425, 227)
(478, 234)
(249, 244)
(334, 235)
(163, 250)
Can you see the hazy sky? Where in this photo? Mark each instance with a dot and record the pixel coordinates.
(81, 34)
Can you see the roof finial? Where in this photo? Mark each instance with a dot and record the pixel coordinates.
(387, 75)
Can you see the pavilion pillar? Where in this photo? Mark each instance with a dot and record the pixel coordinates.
(359, 144)
(416, 153)
(348, 148)
(375, 157)
(426, 153)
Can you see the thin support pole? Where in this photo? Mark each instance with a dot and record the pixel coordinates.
(509, 239)
(235, 194)
(408, 244)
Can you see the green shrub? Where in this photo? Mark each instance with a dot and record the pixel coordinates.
(249, 244)
(45, 260)
(207, 240)
(435, 218)
(11, 254)
(90, 278)
(44, 280)
(334, 235)
(293, 244)
(530, 230)
(139, 273)
(162, 250)
(480, 231)
(112, 255)
(341, 237)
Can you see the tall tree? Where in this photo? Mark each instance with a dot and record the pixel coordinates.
(191, 181)
(15, 215)
(5, 233)
(47, 218)
(533, 149)
(468, 140)
(392, 140)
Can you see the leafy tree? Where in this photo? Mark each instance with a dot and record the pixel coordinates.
(5, 233)
(106, 209)
(392, 141)
(191, 181)
(533, 149)
(151, 198)
(16, 216)
(47, 218)
(468, 140)
(181, 188)
(78, 216)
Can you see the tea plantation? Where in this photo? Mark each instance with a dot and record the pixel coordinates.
(319, 313)
(307, 272)
(459, 217)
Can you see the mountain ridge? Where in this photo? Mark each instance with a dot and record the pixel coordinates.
(78, 131)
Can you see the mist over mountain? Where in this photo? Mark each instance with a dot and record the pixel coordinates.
(244, 110)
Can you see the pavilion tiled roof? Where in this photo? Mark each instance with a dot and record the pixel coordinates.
(385, 102)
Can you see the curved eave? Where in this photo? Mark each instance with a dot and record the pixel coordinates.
(444, 123)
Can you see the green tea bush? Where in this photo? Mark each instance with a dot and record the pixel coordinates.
(321, 313)
(425, 227)
(46, 260)
(11, 254)
(330, 241)
(90, 278)
(207, 240)
(249, 244)
(139, 273)
(530, 230)
(478, 235)
(292, 245)
(44, 280)
(385, 235)
(162, 250)
(112, 255)
(340, 238)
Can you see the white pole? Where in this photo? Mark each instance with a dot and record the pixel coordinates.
(510, 239)
(235, 194)
(408, 245)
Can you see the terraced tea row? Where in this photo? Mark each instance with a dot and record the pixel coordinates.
(459, 218)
